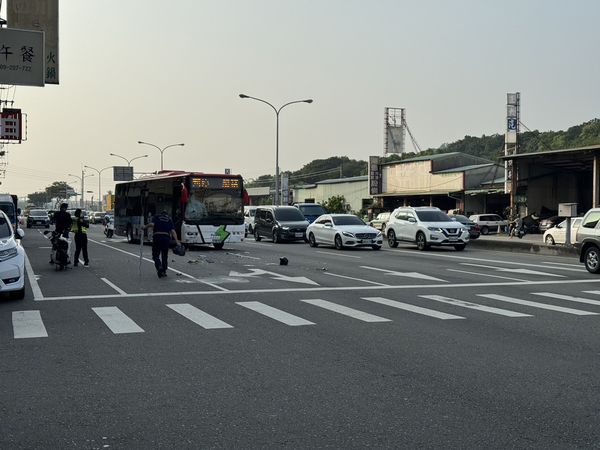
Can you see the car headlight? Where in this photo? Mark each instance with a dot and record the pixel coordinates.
(378, 234)
(7, 254)
(285, 228)
(434, 229)
(347, 234)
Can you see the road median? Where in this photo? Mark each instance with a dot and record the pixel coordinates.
(533, 245)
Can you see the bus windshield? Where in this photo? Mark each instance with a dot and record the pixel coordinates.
(214, 200)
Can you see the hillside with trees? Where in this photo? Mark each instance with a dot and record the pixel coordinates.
(488, 147)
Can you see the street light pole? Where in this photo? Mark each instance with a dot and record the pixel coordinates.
(161, 150)
(277, 111)
(129, 161)
(99, 184)
(81, 178)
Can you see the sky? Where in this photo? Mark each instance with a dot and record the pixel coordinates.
(170, 72)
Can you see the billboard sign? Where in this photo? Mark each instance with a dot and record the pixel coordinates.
(374, 175)
(21, 57)
(38, 15)
(11, 125)
(122, 173)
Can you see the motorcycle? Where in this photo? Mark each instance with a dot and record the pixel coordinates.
(109, 228)
(59, 255)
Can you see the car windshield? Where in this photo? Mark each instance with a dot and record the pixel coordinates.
(312, 210)
(347, 220)
(4, 228)
(38, 212)
(433, 216)
(383, 216)
(289, 214)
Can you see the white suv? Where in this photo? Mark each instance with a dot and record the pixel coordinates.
(425, 226)
(489, 222)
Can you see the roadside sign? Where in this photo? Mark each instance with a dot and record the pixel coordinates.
(11, 125)
(21, 57)
(122, 173)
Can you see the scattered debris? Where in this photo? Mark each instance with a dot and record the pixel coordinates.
(283, 261)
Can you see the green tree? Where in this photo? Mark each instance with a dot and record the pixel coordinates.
(38, 198)
(335, 204)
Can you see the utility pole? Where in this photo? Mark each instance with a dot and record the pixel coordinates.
(81, 200)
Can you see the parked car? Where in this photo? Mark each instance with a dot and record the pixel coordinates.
(380, 222)
(249, 213)
(489, 222)
(474, 230)
(343, 230)
(425, 226)
(558, 233)
(310, 211)
(12, 259)
(549, 222)
(38, 217)
(588, 240)
(279, 223)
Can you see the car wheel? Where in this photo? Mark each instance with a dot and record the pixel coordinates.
(421, 241)
(391, 236)
(460, 247)
(18, 295)
(312, 241)
(257, 237)
(376, 247)
(592, 259)
(338, 242)
(485, 230)
(276, 239)
(549, 240)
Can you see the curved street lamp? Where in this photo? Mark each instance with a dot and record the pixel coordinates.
(128, 160)
(277, 111)
(81, 178)
(99, 184)
(161, 150)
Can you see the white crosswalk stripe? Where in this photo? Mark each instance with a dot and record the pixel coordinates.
(568, 298)
(476, 306)
(504, 298)
(412, 308)
(198, 316)
(28, 324)
(117, 320)
(275, 314)
(344, 310)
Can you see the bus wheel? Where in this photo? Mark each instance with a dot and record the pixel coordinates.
(218, 245)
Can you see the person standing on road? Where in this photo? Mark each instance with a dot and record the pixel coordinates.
(80, 228)
(163, 230)
(62, 220)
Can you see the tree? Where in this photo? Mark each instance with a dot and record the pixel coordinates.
(335, 204)
(58, 190)
(38, 198)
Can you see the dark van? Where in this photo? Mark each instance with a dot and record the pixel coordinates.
(279, 223)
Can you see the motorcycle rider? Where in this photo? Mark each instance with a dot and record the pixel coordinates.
(62, 220)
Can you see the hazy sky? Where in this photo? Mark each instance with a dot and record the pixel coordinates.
(170, 72)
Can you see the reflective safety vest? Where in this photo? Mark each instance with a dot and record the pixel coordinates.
(78, 225)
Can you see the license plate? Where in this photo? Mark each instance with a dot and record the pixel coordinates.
(453, 239)
(299, 234)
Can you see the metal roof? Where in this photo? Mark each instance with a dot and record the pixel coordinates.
(577, 159)
(465, 168)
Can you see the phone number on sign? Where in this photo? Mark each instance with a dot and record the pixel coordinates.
(15, 67)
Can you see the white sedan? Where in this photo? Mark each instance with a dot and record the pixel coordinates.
(343, 230)
(12, 260)
(558, 233)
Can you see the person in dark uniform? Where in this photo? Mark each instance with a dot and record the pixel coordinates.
(62, 220)
(80, 228)
(162, 232)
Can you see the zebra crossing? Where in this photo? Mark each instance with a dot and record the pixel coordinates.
(30, 324)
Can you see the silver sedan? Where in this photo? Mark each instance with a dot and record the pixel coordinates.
(343, 230)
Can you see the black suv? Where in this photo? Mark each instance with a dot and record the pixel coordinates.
(280, 223)
(38, 217)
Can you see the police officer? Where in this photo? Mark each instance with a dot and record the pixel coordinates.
(163, 230)
(80, 228)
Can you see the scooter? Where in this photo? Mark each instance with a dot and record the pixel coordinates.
(109, 229)
(59, 255)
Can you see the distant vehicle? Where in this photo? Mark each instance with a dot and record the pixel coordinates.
(425, 226)
(249, 213)
(489, 222)
(38, 217)
(12, 259)
(97, 216)
(474, 230)
(279, 223)
(343, 230)
(380, 221)
(310, 211)
(558, 233)
(549, 222)
(8, 204)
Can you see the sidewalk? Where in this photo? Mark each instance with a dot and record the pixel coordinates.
(530, 243)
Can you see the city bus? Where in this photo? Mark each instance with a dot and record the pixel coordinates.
(206, 208)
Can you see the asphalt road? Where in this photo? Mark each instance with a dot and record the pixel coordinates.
(342, 349)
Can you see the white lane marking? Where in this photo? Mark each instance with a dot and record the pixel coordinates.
(518, 301)
(338, 254)
(484, 274)
(242, 256)
(288, 290)
(114, 286)
(356, 279)
(198, 316)
(275, 314)
(579, 267)
(117, 320)
(35, 287)
(476, 306)
(28, 324)
(412, 308)
(350, 312)
(274, 276)
(592, 292)
(137, 256)
(568, 298)
(417, 275)
(508, 269)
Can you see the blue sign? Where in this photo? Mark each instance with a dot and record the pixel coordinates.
(511, 124)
